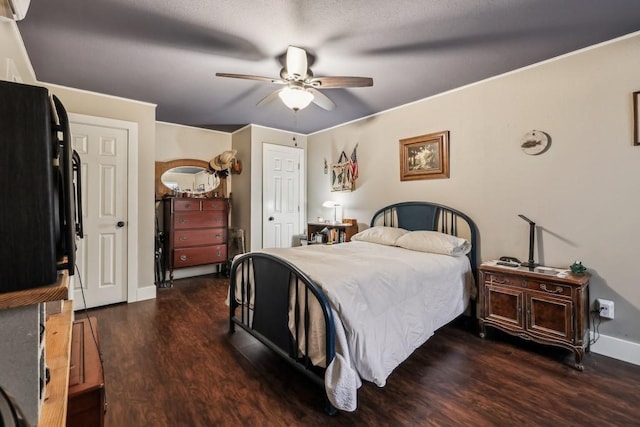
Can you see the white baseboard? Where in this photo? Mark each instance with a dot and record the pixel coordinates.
(183, 273)
(616, 348)
(148, 292)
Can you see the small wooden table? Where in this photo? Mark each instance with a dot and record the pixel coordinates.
(340, 232)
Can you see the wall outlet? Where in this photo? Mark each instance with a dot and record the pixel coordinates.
(605, 308)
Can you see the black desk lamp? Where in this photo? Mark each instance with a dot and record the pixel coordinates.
(532, 230)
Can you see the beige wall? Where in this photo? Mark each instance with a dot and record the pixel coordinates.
(174, 142)
(94, 104)
(182, 142)
(98, 105)
(241, 197)
(12, 51)
(259, 136)
(582, 193)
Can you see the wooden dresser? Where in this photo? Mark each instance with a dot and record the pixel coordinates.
(196, 232)
(534, 306)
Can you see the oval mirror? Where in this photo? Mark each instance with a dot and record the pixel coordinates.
(194, 180)
(197, 170)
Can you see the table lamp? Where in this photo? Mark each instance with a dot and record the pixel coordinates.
(334, 205)
(532, 230)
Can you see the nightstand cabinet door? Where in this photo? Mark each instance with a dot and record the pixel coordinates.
(503, 305)
(550, 317)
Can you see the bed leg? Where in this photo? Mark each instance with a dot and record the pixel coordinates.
(232, 327)
(328, 407)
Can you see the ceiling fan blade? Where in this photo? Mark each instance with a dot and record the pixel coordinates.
(340, 82)
(296, 63)
(321, 100)
(273, 95)
(251, 77)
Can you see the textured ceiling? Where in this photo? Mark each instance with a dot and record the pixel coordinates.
(168, 51)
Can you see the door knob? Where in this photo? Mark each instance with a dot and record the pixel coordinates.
(120, 224)
(271, 218)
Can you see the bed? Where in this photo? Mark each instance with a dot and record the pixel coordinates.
(354, 311)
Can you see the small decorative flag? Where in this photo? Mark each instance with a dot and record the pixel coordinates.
(353, 163)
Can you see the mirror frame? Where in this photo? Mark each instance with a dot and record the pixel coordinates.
(163, 191)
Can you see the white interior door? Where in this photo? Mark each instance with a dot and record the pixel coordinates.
(281, 195)
(102, 253)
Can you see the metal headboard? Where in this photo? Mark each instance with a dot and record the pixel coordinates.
(431, 216)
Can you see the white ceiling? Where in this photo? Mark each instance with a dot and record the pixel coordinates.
(168, 51)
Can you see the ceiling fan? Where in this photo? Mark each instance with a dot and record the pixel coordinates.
(300, 86)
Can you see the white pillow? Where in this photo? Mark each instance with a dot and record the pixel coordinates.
(381, 235)
(434, 242)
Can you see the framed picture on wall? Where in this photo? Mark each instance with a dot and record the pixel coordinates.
(636, 118)
(425, 157)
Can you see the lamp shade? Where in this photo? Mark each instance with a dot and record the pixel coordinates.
(334, 205)
(295, 98)
(330, 204)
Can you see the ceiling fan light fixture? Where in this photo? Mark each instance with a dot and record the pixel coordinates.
(295, 98)
(300, 87)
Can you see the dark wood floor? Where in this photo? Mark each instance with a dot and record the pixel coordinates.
(171, 362)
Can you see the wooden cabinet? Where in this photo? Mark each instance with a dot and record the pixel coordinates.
(338, 233)
(534, 306)
(86, 378)
(196, 231)
(25, 352)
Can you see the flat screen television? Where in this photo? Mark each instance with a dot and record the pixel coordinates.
(40, 216)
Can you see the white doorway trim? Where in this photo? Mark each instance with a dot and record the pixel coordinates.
(301, 154)
(132, 194)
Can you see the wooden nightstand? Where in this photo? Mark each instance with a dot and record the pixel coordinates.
(534, 306)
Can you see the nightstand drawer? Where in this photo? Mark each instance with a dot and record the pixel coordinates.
(549, 288)
(499, 279)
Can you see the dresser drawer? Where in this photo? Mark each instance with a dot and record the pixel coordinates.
(214, 205)
(199, 219)
(186, 205)
(499, 279)
(549, 288)
(200, 255)
(211, 236)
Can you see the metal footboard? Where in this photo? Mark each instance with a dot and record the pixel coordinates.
(266, 294)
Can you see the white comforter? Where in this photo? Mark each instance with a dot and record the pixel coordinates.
(389, 300)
